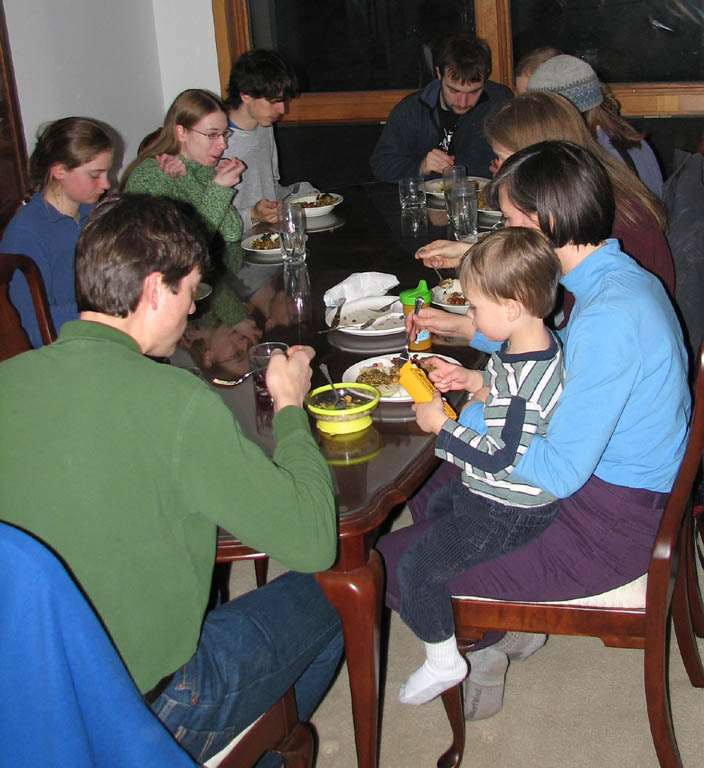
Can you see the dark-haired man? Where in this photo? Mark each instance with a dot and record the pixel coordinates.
(126, 467)
(442, 124)
(261, 83)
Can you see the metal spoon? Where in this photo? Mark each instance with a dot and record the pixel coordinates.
(340, 404)
(361, 327)
(224, 383)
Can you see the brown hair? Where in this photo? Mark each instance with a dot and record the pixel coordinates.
(514, 263)
(542, 116)
(71, 142)
(607, 116)
(127, 237)
(465, 58)
(186, 110)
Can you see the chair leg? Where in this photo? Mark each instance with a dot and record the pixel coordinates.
(261, 568)
(657, 698)
(297, 751)
(452, 701)
(682, 620)
(695, 597)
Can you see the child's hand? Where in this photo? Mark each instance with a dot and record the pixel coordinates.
(430, 416)
(449, 376)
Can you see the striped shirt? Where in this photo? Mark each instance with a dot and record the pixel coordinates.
(524, 389)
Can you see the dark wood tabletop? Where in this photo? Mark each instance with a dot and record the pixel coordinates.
(376, 470)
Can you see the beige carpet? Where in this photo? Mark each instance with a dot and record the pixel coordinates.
(574, 704)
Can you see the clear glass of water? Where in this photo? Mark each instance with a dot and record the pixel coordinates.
(292, 232)
(449, 177)
(463, 210)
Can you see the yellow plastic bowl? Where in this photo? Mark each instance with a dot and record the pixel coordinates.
(344, 421)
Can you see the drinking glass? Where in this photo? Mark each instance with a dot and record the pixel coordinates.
(259, 356)
(297, 289)
(411, 192)
(449, 177)
(292, 232)
(463, 210)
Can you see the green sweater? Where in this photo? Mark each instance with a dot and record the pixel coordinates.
(214, 203)
(126, 466)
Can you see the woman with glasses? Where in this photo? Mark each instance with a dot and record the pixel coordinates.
(195, 130)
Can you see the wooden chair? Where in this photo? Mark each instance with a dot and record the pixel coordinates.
(645, 624)
(13, 338)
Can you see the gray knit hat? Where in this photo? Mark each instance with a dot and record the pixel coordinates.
(571, 77)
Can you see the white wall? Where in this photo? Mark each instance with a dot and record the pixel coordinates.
(121, 62)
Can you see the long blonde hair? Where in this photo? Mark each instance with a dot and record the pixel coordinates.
(186, 110)
(541, 116)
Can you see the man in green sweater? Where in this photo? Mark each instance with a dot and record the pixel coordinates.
(126, 467)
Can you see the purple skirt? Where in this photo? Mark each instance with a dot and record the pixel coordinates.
(601, 538)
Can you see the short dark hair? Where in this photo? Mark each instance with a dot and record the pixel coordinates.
(465, 58)
(261, 73)
(566, 186)
(514, 263)
(127, 237)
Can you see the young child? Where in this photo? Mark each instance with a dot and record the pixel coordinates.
(509, 279)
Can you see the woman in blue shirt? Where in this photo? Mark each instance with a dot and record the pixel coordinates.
(68, 174)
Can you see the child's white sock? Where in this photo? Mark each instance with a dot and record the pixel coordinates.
(444, 667)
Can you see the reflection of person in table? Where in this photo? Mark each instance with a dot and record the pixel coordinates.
(442, 125)
(617, 435)
(151, 462)
(510, 282)
(640, 217)
(195, 129)
(261, 84)
(68, 173)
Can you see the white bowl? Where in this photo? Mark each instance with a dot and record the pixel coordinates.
(319, 210)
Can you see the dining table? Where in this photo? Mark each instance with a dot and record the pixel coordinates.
(376, 470)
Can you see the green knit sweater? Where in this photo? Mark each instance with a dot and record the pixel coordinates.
(126, 467)
(214, 203)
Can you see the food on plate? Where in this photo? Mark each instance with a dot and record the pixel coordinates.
(324, 198)
(385, 377)
(350, 402)
(450, 292)
(266, 242)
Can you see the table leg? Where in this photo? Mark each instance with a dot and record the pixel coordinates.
(357, 597)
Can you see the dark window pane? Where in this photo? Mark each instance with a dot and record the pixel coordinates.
(358, 45)
(624, 40)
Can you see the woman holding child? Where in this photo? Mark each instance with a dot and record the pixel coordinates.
(614, 441)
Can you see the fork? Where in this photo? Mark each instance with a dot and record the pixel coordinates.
(385, 308)
(361, 327)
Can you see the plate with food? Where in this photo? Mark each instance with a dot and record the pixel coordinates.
(202, 291)
(267, 243)
(319, 204)
(382, 373)
(385, 312)
(448, 296)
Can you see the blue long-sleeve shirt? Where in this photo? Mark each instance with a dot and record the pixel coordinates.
(624, 409)
(49, 238)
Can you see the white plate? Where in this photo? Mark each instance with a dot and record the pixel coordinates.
(435, 187)
(202, 291)
(360, 310)
(400, 395)
(321, 210)
(325, 223)
(247, 244)
(440, 294)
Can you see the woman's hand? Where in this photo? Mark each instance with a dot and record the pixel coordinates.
(442, 253)
(441, 322)
(229, 171)
(248, 329)
(171, 165)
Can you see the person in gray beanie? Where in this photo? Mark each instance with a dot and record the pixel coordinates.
(575, 79)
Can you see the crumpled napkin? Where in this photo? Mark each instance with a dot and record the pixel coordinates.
(360, 285)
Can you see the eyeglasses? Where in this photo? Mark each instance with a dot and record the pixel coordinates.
(214, 135)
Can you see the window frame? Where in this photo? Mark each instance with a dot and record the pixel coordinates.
(493, 23)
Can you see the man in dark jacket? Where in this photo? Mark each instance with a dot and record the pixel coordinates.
(443, 124)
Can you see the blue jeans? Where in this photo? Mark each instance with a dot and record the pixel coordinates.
(470, 529)
(251, 650)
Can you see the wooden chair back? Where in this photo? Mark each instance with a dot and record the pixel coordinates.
(668, 594)
(13, 338)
